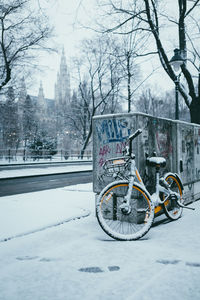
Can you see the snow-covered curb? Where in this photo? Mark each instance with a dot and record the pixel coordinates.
(84, 214)
(31, 212)
(43, 171)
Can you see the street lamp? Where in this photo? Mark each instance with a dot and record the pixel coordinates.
(176, 61)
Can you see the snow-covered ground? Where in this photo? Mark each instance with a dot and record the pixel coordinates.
(30, 212)
(55, 250)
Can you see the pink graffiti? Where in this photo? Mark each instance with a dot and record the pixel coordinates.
(120, 147)
(101, 161)
(104, 150)
(102, 153)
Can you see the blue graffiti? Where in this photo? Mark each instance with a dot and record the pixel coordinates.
(112, 130)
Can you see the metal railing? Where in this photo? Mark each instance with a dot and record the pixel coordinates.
(25, 155)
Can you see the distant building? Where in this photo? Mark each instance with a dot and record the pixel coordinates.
(52, 111)
(62, 94)
(38, 117)
(41, 100)
(62, 85)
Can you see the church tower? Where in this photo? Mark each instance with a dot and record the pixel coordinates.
(41, 99)
(62, 86)
(62, 103)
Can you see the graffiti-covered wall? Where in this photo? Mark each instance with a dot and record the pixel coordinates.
(178, 142)
(189, 153)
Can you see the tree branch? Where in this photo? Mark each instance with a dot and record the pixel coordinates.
(194, 5)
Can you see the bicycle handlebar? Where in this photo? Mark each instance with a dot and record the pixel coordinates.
(132, 137)
(135, 134)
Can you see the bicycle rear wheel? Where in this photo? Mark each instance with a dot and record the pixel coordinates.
(171, 208)
(120, 224)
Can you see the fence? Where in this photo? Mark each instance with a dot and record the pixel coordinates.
(178, 142)
(25, 155)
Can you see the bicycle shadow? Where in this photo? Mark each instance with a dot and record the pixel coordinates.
(160, 221)
(109, 239)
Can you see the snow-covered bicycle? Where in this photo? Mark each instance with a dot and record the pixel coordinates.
(125, 209)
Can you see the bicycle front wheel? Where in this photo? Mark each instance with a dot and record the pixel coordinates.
(171, 208)
(121, 224)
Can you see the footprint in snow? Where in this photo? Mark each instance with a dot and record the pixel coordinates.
(168, 262)
(99, 270)
(26, 257)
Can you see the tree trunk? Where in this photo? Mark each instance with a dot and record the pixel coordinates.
(129, 82)
(86, 141)
(195, 111)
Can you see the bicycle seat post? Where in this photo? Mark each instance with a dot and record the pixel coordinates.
(156, 162)
(157, 179)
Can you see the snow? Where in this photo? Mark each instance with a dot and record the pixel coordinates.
(157, 160)
(44, 170)
(31, 212)
(57, 251)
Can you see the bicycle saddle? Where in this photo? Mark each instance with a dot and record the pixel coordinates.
(156, 161)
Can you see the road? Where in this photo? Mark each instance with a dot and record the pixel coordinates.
(38, 183)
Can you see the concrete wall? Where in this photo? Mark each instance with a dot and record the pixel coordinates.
(177, 141)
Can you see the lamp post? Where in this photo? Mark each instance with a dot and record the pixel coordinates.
(176, 97)
(176, 61)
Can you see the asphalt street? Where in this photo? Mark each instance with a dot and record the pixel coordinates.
(27, 184)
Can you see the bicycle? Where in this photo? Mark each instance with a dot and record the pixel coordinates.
(125, 209)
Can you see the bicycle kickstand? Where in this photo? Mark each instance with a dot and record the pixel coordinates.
(183, 206)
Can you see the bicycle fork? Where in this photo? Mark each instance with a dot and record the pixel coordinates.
(125, 206)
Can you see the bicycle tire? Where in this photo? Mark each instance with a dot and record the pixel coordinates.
(171, 208)
(112, 219)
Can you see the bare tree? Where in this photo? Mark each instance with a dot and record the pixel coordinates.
(125, 53)
(150, 103)
(98, 88)
(29, 121)
(157, 104)
(153, 17)
(22, 31)
(10, 121)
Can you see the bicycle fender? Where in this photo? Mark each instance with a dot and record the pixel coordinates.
(179, 180)
(121, 182)
(107, 187)
(177, 177)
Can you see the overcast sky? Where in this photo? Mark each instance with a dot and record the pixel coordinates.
(66, 15)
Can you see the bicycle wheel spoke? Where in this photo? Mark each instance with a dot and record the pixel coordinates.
(125, 223)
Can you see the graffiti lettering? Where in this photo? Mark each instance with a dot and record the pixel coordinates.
(188, 157)
(197, 174)
(164, 143)
(120, 147)
(112, 130)
(104, 150)
(101, 161)
(102, 153)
